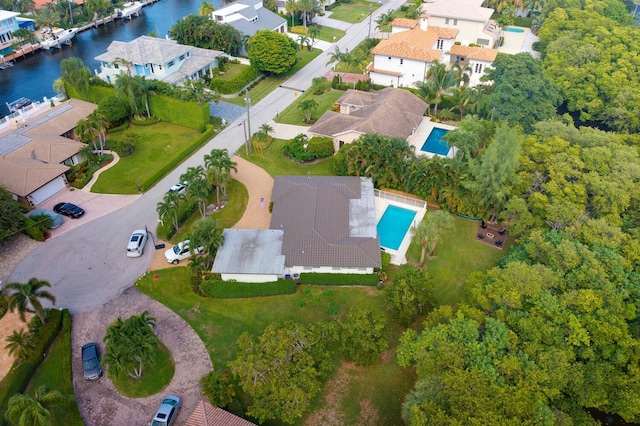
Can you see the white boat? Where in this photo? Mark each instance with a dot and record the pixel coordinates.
(59, 37)
(128, 10)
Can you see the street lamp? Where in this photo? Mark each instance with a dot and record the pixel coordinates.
(248, 101)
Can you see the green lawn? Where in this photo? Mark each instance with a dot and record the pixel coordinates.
(155, 377)
(457, 255)
(269, 84)
(294, 115)
(325, 34)
(232, 71)
(156, 146)
(354, 11)
(237, 200)
(220, 322)
(275, 163)
(55, 373)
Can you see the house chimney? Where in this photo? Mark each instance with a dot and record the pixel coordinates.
(424, 22)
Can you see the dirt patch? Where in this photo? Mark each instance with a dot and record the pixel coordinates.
(334, 392)
(8, 324)
(368, 414)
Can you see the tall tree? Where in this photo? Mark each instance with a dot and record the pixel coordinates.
(430, 230)
(207, 234)
(197, 188)
(307, 107)
(218, 168)
(169, 208)
(362, 336)
(272, 52)
(28, 295)
(75, 74)
(218, 389)
(11, 217)
(410, 295)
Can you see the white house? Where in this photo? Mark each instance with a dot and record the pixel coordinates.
(405, 57)
(8, 25)
(249, 17)
(467, 16)
(158, 59)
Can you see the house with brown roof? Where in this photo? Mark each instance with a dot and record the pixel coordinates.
(206, 414)
(319, 224)
(390, 112)
(414, 45)
(37, 152)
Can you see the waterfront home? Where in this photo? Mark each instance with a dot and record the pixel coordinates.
(321, 224)
(390, 112)
(249, 17)
(36, 152)
(8, 25)
(157, 59)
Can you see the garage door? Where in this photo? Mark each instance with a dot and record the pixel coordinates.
(50, 189)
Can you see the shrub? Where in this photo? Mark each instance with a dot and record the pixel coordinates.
(303, 149)
(338, 279)
(230, 289)
(364, 85)
(227, 87)
(32, 230)
(340, 162)
(335, 81)
(114, 110)
(187, 114)
(120, 128)
(320, 85)
(3, 304)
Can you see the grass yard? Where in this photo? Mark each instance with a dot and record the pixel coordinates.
(378, 389)
(269, 84)
(328, 34)
(55, 373)
(294, 115)
(275, 163)
(155, 377)
(237, 199)
(156, 146)
(232, 71)
(457, 255)
(354, 11)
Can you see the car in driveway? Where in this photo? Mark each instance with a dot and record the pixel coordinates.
(167, 412)
(56, 219)
(137, 241)
(91, 361)
(68, 209)
(181, 252)
(179, 188)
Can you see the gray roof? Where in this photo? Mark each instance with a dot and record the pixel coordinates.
(389, 112)
(267, 20)
(250, 251)
(327, 221)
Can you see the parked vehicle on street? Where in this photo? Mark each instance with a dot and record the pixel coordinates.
(56, 219)
(168, 411)
(91, 361)
(138, 239)
(68, 209)
(180, 188)
(181, 252)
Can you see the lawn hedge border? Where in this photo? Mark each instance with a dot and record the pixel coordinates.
(317, 278)
(234, 85)
(235, 290)
(18, 378)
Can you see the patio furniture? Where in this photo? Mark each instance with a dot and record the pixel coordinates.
(480, 236)
(502, 231)
(498, 243)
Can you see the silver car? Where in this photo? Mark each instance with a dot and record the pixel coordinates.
(168, 411)
(138, 239)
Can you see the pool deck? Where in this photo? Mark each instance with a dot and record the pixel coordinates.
(398, 257)
(418, 137)
(519, 42)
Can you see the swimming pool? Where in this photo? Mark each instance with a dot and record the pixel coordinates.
(434, 143)
(514, 30)
(394, 225)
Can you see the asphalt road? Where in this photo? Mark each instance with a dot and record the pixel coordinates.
(87, 266)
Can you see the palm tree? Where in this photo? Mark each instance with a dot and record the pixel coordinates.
(307, 107)
(291, 6)
(198, 187)
(337, 56)
(303, 39)
(75, 74)
(34, 410)
(207, 234)
(218, 170)
(129, 88)
(441, 80)
(47, 16)
(19, 344)
(385, 19)
(27, 294)
(314, 31)
(206, 9)
(143, 87)
(170, 208)
(430, 230)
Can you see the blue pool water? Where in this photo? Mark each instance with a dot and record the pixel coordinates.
(514, 30)
(393, 226)
(434, 143)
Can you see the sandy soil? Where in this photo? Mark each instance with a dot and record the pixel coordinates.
(8, 324)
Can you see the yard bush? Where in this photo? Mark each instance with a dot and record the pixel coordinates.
(114, 110)
(120, 128)
(187, 114)
(522, 21)
(339, 279)
(18, 378)
(32, 230)
(303, 149)
(150, 121)
(227, 87)
(215, 288)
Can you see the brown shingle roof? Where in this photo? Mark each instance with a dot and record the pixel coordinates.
(476, 52)
(415, 44)
(319, 221)
(389, 112)
(404, 23)
(206, 414)
(23, 176)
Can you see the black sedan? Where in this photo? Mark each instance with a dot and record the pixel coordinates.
(91, 361)
(68, 209)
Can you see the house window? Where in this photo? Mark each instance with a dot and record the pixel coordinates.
(455, 22)
(446, 21)
(401, 61)
(483, 41)
(116, 66)
(170, 64)
(181, 58)
(478, 68)
(440, 44)
(389, 57)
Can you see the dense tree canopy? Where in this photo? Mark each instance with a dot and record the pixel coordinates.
(272, 52)
(200, 31)
(11, 218)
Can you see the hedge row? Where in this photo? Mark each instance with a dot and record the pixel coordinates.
(18, 378)
(227, 87)
(231, 289)
(339, 279)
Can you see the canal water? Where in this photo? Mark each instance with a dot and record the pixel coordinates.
(32, 77)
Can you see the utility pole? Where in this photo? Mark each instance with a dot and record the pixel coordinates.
(370, 15)
(246, 141)
(248, 101)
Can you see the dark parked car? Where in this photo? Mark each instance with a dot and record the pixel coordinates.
(91, 361)
(68, 209)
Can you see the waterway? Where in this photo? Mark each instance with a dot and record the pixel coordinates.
(32, 77)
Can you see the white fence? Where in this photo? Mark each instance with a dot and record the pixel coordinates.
(390, 196)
